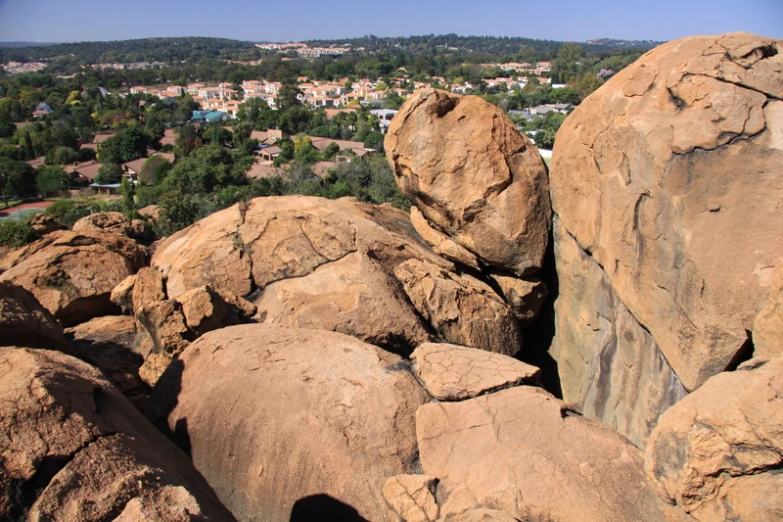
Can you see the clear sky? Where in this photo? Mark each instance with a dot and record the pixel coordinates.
(281, 20)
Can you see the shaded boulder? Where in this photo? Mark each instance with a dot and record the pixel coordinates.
(74, 449)
(24, 322)
(332, 416)
(475, 178)
(524, 296)
(718, 452)
(610, 367)
(462, 309)
(72, 274)
(452, 372)
(668, 177)
(305, 261)
(44, 224)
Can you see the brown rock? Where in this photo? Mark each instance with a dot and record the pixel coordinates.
(665, 176)
(441, 244)
(335, 416)
(525, 297)
(206, 310)
(116, 222)
(150, 211)
(462, 309)
(452, 372)
(463, 163)
(74, 449)
(520, 452)
(24, 322)
(412, 498)
(44, 224)
(610, 368)
(768, 325)
(727, 434)
(353, 296)
(72, 274)
(122, 294)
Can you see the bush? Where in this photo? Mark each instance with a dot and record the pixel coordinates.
(67, 212)
(15, 233)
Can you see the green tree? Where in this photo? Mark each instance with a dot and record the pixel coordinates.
(51, 180)
(109, 174)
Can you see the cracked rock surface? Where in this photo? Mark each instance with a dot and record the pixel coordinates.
(74, 449)
(329, 415)
(451, 372)
(718, 452)
(668, 176)
(519, 452)
(73, 273)
(24, 322)
(474, 177)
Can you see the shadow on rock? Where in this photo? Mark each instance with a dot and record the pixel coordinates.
(323, 508)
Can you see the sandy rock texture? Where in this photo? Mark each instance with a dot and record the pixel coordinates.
(24, 322)
(667, 176)
(331, 416)
(474, 177)
(75, 450)
(718, 452)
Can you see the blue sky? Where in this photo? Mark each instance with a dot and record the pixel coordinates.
(281, 20)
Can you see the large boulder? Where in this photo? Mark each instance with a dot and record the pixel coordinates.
(75, 450)
(116, 222)
(73, 273)
(610, 368)
(307, 262)
(668, 177)
(521, 452)
(719, 451)
(328, 415)
(474, 177)
(24, 322)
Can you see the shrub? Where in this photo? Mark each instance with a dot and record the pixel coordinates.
(15, 233)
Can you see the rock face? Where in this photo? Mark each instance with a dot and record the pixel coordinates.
(610, 367)
(452, 372)
(718, 452)
(768, 326)
(332, 416)
(461, 309)
(24, 322)
(74, 449)
(519, 452)
(72, 273)
(474, 177)
(664, 176)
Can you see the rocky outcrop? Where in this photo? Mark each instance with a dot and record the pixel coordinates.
(461, 309)
(72, 273)
(610, 368)
(24, 322)
(474, 177)
(519, 451)
(664, 177)
(718, 452)
(44, 224)
(74, 449)
(115, 222)
(452, 372)
(332, 416)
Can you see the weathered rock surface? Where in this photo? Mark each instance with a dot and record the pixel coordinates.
(278, 253)
(441, 244)
(610, 368)
(205, 310)
(524, 296)
(768, 325)
(44, 224)
(463, 163)
(520, 452)
(116, 222)
(461, 309)
(24, 322)
(665, 175)
(412, 497)
(712, 450)
(72, 273)
(74, 449)
(331, 416)
(451, 372)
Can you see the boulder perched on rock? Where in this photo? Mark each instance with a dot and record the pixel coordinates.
(24, 322)
(718, 452)
(45, 224)
(72, 273)
(667, 177)
(475, 178)
(519, 451)
(74, 449)
(452, 372)
(116, 222)
(461, 309)
(610, 368)
(329, 415)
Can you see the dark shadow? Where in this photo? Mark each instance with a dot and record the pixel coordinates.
(165, 397)
(537, 337)
(745, 353)
(323, 508)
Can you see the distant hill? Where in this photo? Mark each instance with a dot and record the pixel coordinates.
(25, 44)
